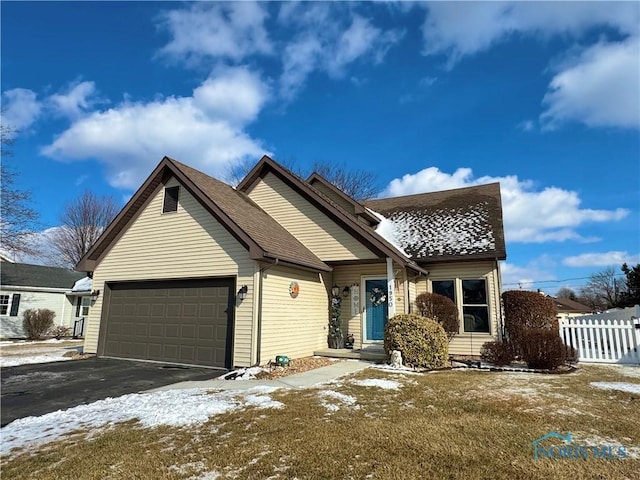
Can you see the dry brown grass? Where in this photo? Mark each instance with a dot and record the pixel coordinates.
(449, 424)
(297, 365)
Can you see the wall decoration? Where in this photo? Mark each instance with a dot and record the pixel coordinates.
(355, 300)
(294, 289)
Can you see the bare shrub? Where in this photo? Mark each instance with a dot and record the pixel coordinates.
(524, 310)
(37, 322)
(544, 349)
(441, 309)
(58, 332)
(499, 353)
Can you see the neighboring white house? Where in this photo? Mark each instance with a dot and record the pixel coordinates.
(24, 286)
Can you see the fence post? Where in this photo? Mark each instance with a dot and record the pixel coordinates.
(635, 323)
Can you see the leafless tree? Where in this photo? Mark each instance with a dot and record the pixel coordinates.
(359, 184)
(81, 223)
(19, 219)
(603, 289)
(566, 292)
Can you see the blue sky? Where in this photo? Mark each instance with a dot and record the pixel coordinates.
(543, 97)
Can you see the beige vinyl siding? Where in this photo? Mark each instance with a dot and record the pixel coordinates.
(11, 327)
(320, 234)
(348, 275)
(337, 199)
(467, 343)
(295, 327)
(69, 311)
(189, 243)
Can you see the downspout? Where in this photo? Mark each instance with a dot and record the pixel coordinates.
(259, 333)
(500, 299)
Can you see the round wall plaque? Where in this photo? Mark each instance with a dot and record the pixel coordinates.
(294, 289)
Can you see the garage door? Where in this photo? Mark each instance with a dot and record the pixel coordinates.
(187, 322)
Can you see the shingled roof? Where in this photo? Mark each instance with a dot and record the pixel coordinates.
(565, 305)
(464, 223)
(26, 275)
(366, 235)
(265, 238)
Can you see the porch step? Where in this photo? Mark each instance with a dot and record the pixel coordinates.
(373, 355)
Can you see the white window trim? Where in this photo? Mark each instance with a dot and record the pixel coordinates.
(7, 305)
(459, 299)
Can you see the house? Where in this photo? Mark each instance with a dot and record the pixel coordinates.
(194, 271)
(570, 308)
(25, 286)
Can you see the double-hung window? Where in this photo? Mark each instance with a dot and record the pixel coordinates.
(82, 306)
(4, 304)
(470, 296)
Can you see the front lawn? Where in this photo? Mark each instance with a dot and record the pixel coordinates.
(375, 424)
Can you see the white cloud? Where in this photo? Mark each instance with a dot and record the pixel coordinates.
(204, 30)
(328, 43)
(516, 277)
(20, 108)
(530, 215)
(600, 88)
(132, 137)
(458, 32)
(602, 259)
(75, 101)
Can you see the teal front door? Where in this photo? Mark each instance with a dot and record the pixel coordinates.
(376, 309)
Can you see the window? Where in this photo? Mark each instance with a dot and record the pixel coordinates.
(170, 199)
(15, 304)
(4, 304)
(82, 306)
(471, 298)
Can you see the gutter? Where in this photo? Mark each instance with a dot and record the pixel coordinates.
(259, 333)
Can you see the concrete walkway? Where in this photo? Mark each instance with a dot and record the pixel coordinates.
(299, 380)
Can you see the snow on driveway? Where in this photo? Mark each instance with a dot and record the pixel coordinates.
(23, 353)
(151, 409)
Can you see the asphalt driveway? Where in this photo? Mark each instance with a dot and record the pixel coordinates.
(46, 387)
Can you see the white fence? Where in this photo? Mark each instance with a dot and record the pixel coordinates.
(612, 337)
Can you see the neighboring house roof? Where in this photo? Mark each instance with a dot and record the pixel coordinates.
(565, 305)
(362, 233)
(358, 208)
(265, 238)
(26, 275)
(465, 223)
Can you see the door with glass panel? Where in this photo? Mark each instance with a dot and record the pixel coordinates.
(376, 309)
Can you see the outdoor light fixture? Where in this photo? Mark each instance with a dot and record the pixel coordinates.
(335, 291)
(345, 292)
(95, 293)
(242, 293)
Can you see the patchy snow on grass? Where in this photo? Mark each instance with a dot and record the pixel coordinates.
(621, 386)
(391, 369)
(172, 407)
(597, 441)
(625, 370)
(341, 398)
(376, 382)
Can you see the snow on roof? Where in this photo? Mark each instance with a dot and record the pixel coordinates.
(82, 285)
(443, 232)
(387, 230)
(459, 223)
